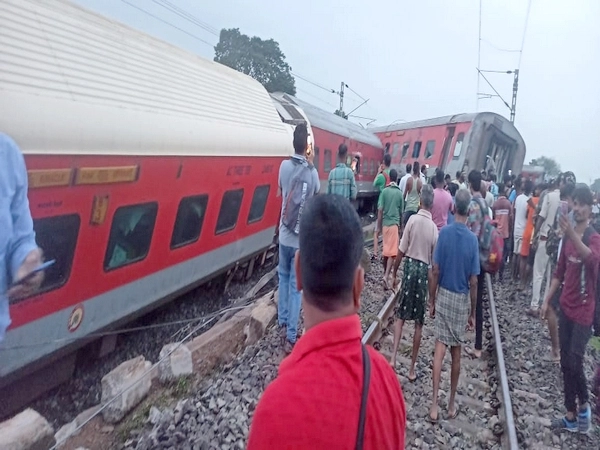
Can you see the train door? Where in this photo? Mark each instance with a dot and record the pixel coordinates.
(446, 147)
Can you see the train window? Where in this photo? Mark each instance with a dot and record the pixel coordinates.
(188, 223)
(416, 149)
(395, 150)
(327, 161)
(458, 145)
(57, 237)
(230, 210)
(429, 148)
(405, 147)
(259, 202)
(316, 160)
(130, 235)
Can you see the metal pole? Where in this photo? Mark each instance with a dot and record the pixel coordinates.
(342, 100)
(513, 108)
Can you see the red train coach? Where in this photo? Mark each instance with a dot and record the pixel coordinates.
(330, 131)
(460, 142)
(150, 170)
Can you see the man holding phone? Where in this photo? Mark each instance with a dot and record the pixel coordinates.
(19, 254)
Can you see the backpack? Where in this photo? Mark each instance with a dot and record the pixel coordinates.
(553, 241)
(491, 242)
(300, 190)
(589, 231)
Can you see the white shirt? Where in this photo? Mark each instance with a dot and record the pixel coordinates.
(548, 212)
(520, 214)
(402, 184)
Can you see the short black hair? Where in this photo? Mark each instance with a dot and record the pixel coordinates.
(452, 188)
(583, 195)
(408, 168)
(566, 191)
(439, 177)
(493, 177)
(501, 189)
(528, 187)
(475, 180)
(416, 167)
(458, 174)
(387, 147)
(331, 245)
(300, 138)
(342, 150)
(447, 177)
(394, 175)
(387, 160)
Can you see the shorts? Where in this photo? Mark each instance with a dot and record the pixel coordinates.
(518, 245)
(390, 241)
(407, 215)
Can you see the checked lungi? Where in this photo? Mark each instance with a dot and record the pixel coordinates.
(451, 316)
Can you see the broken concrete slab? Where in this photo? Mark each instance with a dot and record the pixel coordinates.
(26, 431)
(65, 432)
(128, 384)
(177, 364)
(261, 317)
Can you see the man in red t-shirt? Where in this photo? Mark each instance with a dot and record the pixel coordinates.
(577, 270)
(503, 214)
(316, 400)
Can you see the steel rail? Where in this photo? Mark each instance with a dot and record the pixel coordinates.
(510, 428)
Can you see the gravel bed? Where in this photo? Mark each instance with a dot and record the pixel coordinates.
(526, 347)
(83, 390)
(218, 416)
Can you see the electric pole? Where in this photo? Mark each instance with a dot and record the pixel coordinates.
(342, 99)
(513, 108)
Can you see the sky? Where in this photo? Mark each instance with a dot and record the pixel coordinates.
(417, 59)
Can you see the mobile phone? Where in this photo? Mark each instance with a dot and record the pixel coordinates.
(35, 271)
(563, 209)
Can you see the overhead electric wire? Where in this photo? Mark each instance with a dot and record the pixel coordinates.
(331, 91)
(168, 23)
(524, 33)
(316, 98)
(498, 48)
(186, 15)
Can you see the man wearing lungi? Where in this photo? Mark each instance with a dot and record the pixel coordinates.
(390, 207)
(453, 296)
(418, 241)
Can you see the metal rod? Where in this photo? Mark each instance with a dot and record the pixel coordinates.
(513, 443)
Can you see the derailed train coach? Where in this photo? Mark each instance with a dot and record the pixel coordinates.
(462, 142)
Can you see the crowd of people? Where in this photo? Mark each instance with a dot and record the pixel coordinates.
(332, 391)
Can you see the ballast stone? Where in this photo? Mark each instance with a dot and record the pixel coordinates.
(26, 431)
(177, 364)
(123, 377)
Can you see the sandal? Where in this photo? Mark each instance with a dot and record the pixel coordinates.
(456, 412)
(471, 353)
(431, 420)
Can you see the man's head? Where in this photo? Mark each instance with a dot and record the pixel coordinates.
(508, 181)
(452, 188)
(408, 168)
(566, 194)
(475, 180)
(502, 189)
(342, 152)
(394, 175)
(328, 267)
(583, 200)
(462, 201)
(527, 187)
(424, 168)
(458, 173)
(300, 139)
(493, 178)
(427, 197)
(463, 177)
(387, 160)
(439, 178)
(448, 179)
(416, 168)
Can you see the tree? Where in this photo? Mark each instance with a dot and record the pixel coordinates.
(596, 185)
(262, 60)
(551, 167)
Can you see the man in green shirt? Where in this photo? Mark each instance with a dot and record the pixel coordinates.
(341, 179)
(390, 208)
(381, 181)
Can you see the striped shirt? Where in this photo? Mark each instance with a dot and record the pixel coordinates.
(341, 182)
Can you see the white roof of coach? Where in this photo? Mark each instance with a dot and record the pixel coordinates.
(73, 82)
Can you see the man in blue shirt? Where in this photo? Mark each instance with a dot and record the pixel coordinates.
(454, 282)
(19, 254)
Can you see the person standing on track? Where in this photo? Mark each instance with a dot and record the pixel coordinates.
(412, 193)
(389, 212)
(453, 297)
(442, 201)
(520, 223)
(19, 253)
(316, 400)
(288, 306)
(380, 182)
(341, 179)
(406, 176)
(577, 271)
(503, 213)
(477, 209)
(418, 241)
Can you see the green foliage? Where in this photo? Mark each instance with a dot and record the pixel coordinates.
(262, 60)
(596, 185)
(550, 165)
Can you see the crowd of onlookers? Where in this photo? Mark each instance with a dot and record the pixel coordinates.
(332, 391)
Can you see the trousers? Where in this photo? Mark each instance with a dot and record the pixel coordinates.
(288, 306)
(573, 338)
(540, 268)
